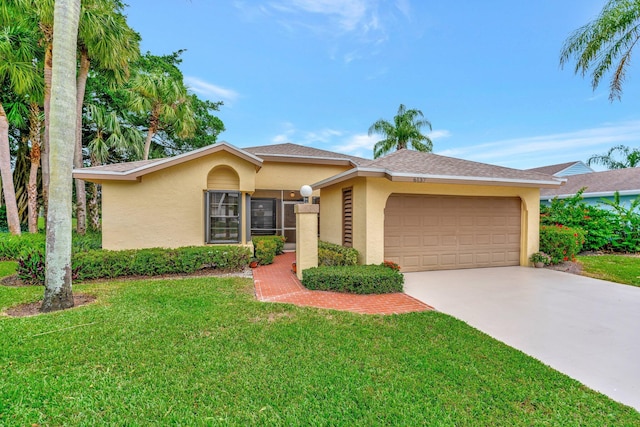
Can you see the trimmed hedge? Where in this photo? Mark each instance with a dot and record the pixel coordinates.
(330, 254)
(358, 279)
(265, 251)
(277, 240)
(103, 264)
(561, 243)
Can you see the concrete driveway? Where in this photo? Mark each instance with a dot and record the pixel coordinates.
(586, 328)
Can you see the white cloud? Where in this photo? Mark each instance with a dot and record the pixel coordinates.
(317, 137)
(210, 90)
(360, 145)
(439, 134)
(541, 150)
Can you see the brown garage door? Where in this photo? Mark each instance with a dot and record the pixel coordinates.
(447, 232)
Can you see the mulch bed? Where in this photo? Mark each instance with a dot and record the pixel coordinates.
(33, 308)
(567, 267)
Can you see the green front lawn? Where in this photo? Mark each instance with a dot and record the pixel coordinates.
(203, 351)
(615, 268)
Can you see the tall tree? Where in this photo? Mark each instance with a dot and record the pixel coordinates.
(618, 157)
(18, 70)
(158, 93)
(605, 44)
(107, 43)
(58, 294)
(405, 130)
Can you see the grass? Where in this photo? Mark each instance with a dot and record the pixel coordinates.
(615, 268)
(7, 268)
(203, 351)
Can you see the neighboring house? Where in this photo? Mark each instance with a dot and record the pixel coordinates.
(421, 210)
(598, 186)
(564, 169)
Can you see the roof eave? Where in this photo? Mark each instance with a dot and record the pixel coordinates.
(591, 195)
(438, 179)
(136, 173)
(290, 158)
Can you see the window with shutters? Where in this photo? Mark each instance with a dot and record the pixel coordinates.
(347, 217)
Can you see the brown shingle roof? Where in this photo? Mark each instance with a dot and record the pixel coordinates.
(413, 162)
(598, 182)
(553, 169)
(413, 166)
(295, 150)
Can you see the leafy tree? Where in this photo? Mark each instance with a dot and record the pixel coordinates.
(605, 44)
(404, 131)
(627, 232)
(630, 158)
(58, 294)
(18, 71)
(158, 94)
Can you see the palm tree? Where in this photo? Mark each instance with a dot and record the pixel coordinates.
(630, 158)
(18, 48)
(404, 131)
(107, 41)
(163, 98)
(58, 294)
(605, 43)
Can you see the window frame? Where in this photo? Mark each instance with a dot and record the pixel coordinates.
(209, 197)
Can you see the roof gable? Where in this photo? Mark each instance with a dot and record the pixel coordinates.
(132, 171)
(564, 169)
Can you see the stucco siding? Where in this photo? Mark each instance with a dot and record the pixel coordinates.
(370, 197)
(166, 208)
(292, 176)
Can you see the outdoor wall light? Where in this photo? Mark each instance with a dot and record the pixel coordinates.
(292, 194)
(306, 192)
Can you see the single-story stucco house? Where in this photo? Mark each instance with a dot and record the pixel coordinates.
(597, 185)
(421, 210)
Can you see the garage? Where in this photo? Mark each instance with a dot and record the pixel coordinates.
(431, 232)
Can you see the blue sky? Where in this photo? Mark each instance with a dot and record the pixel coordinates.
(320, 72)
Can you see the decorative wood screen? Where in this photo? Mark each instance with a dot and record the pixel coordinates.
(347, 217)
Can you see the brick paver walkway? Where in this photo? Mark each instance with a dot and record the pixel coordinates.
(277, 283)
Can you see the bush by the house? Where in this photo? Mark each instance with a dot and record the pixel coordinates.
(103, 264)
(357, 279)
(561, 243)
(598, 224)
(265, 251)
(330, 254)
(277, 240)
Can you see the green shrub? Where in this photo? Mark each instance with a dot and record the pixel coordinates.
(354, 279)
(561, 243)
(330, 254)
(598, 224)
(103, 264)
(278, 240)
(12, 246)
(265, 251)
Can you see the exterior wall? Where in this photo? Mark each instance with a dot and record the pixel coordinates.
(576, 169)
(166, 208)
(292, 176)
(370, 198)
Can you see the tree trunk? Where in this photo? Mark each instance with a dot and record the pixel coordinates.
(81, 189)
(32, 187)
(93, 208)
(153, 127)
(58, 294)
(8, 189)
(44, 155)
